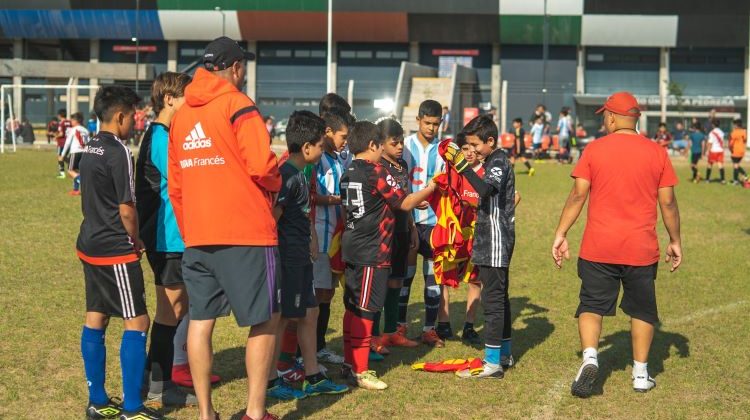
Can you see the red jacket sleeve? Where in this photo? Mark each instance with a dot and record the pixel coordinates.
(174, 182)
(255, 147)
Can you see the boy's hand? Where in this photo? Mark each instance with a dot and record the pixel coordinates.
(456, 157)
(423, 205)
(560, 249)
(139, 247)
(674, 255)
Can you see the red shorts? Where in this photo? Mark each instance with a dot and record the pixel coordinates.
(715, 157)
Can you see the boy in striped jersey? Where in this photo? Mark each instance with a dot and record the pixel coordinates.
(328, 213)
(494, 239)
(424, 162)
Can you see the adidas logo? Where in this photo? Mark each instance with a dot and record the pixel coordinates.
(196, 139)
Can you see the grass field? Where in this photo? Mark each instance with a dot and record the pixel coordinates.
(699, 357)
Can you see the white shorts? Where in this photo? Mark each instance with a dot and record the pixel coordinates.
(322, 275)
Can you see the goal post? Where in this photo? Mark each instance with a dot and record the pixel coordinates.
(6, 99)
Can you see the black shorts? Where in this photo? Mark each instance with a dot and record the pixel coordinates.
(425, 247)
(75, 161)
(695, 158)
(243, 280)
(115, 290)
(365, 287)
(167, 267)
(400, 255)
(600, 287)
(736, 159)
(297, 291)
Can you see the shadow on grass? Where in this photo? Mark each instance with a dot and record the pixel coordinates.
(229, 363)
(618, 355)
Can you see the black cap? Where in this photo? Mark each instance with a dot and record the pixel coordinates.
(222, 52)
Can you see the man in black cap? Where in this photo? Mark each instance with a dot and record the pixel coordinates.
(223, 178)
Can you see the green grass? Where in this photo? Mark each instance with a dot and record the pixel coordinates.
(699, 357)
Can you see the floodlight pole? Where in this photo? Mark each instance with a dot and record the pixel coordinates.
(329, 60)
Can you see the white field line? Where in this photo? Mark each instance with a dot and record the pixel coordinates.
(705, 313)
(553, 397)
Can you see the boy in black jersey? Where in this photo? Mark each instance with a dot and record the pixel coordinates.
(297, 249)
(494, 239)
(404, 239)
(110, 250)
(369, 194)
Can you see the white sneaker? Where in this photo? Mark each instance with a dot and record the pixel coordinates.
(643, 383)
(328, 356)
(584, 381)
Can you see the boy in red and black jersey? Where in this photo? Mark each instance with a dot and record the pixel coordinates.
(369, 194)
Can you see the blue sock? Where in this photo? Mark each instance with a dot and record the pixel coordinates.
(492, 355)
(94, 363)
(132, 363)
(505, 347)
(77, 183)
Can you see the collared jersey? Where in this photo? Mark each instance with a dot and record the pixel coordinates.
(400, 173)
(107, 167)
(369, 195)
(294, 223)
(495, 233)
(159, 230)
(328, 176)
(424, 163)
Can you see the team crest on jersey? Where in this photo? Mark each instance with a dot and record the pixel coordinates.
(496, 174)
(390, 180)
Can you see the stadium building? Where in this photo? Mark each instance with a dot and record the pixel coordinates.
(682, 58)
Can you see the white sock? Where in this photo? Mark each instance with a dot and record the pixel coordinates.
(180, 342)
(640, 369)
(590, 353)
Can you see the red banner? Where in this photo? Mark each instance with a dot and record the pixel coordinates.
(472, 53)
(133, 48)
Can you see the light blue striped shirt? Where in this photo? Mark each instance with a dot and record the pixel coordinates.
(424, 163)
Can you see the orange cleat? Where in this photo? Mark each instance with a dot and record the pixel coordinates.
(398, 340)
(74, 192)
(377, 345)
(181, 376)
(431, 338)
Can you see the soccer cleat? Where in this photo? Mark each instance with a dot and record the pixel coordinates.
(444, 333)
(109, 410)
(294, 374)
(375, 356)
(348, 375)
(376, 345)
(431, 338)
(170, 397)
(61, 175)
(144, 413)
(584, 382)
(489, 371)
(532, 171)
(282, 391)
(74, 192)
(267, 416)
(326, 386)
(181, 376)
(398, 340)
(471, 336)
(301, 365)
(643, 384)
(507, 361)
(328, 356)
(369, 380)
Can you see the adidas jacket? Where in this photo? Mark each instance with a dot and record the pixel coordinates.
(222, 174)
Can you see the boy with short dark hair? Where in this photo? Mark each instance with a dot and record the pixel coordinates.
(110, 249)
(331, 102)
(422, 157)
(297, 247)
(369, 194)
(493, 241)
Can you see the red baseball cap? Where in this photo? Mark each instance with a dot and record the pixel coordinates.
(621, 103)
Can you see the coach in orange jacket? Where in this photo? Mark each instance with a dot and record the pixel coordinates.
(222, 179)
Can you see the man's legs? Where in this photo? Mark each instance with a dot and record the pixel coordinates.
(200, 357)
(642, 334)
(307, 341)
(258, 359)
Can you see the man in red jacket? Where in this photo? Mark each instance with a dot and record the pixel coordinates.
(222, 181)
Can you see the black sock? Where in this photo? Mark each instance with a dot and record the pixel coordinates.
(695, 172)
(721, 173)
(324, 315)
(528, 164)
(161, 353)
(444, 325)
(271, 383)
(376, 324)
(314, 379)
(61, 166)
(403, 299)
(735, 175)
(708, 174)
(431, 306)
(468, 326)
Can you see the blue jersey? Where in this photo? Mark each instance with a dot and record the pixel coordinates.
(158, 225)
(424, 163)
(328, 174)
